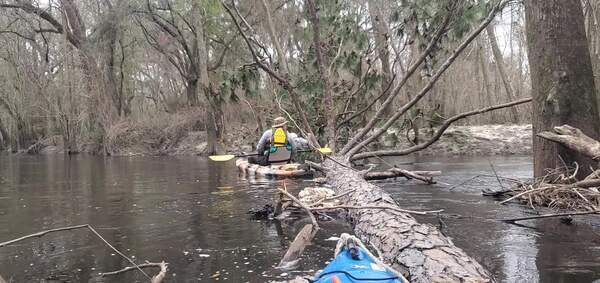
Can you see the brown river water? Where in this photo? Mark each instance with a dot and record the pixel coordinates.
(192, 214)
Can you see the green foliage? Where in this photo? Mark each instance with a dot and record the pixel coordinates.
(212, 8)
(245, 79)
(421, 18)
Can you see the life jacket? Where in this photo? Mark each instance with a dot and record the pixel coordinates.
(280, 151)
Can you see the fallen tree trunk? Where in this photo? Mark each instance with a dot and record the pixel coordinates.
(425, 176)
(419, 251)
(574, 139)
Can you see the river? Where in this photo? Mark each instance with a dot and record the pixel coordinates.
(192, 214)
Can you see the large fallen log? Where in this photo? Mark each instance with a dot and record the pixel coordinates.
(574, 139)
(419, 251)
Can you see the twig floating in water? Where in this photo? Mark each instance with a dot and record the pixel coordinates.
(496, 174)
(512, 220)
(145, 265)
(42, 233)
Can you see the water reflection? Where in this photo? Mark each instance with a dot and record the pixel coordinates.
(193, 215)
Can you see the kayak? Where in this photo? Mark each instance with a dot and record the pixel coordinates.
(283, 170)
(353, 264)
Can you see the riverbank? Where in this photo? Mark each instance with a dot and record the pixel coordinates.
(471, 140)
(183, 137)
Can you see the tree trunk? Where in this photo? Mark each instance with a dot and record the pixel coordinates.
(5, 138)
(322, 66)
(214, 128)
(486, 79)
(214, 123)
(382, 32)
(502, 70)
(562, 80)
(271, 28)
(419, 251)
(191, 91)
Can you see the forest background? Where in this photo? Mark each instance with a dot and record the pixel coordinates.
(165, 77)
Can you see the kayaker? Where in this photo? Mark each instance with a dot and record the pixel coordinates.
(277, 145)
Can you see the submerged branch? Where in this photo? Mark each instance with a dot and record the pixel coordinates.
(301, 204)
(512, 220)
(303, 238)
(89, 227)
(42, 233)
(129, 268)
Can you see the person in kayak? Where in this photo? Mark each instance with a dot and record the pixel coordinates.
(277, 145)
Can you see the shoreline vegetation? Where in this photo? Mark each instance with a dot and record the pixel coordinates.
(182, 137)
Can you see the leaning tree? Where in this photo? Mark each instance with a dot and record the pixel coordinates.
(333, 71)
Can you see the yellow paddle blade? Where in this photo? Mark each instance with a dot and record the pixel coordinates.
(221, 157)
(325, 150)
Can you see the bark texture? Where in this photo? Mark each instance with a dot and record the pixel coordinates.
(562, 80)
(417, 250)
(574, 139)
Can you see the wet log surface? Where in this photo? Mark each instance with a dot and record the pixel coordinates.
(419, 251)
(424, 176)
(574, 139)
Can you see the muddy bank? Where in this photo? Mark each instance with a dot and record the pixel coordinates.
(185, 137)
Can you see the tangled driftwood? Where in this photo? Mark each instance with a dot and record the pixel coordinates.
(560, 188)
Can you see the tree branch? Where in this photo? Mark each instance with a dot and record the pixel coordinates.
(304, 206)
(30, 9)
(429, 86)
(438, 133)
(129, 268)
(411, 70)
(357, 114)
(513, 220)
(43, 14)
(282, 80)
(88, 226)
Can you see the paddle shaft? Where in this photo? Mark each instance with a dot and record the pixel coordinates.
(255, 154)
